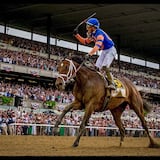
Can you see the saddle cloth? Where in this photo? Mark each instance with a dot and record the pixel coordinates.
(120, 89)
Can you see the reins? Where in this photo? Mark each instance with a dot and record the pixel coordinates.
(71, 72)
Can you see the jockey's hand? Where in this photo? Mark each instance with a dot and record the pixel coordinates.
(87, 57)
(75, 31)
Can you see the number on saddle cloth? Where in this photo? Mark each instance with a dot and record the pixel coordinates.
(121, 91)
(118, 83)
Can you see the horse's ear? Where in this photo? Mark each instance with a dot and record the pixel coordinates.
(77, 59)
(64, 57)
(61, 59)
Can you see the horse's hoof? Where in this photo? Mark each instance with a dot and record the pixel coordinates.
(154, 145)
(121, 143)
(55, 132)
(75, 145)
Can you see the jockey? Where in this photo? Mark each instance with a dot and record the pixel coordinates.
(102, 42)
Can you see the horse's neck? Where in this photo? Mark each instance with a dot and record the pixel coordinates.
(82, 76)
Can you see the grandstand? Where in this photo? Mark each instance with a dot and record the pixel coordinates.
(27, 73)
(28, 95)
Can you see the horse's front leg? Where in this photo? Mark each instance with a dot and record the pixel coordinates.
(80, 133)
(82, 127)
(59, 120)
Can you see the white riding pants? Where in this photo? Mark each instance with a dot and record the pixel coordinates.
(106, 57)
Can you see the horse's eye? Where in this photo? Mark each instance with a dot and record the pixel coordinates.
(61, 64)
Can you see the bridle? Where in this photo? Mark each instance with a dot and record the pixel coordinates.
(67, 78)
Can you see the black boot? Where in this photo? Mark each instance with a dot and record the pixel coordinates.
(110, 80)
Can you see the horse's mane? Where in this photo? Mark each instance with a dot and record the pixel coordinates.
(77, 59)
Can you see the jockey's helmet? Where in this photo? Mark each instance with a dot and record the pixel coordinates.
(93, 22)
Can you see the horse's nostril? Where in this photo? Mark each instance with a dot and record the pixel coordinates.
(58, 85)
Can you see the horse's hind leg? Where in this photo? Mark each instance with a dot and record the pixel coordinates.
(144, 124)
(117, 112)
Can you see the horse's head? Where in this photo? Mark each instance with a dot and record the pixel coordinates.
(66, 70)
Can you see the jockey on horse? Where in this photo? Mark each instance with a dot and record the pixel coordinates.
(102, 42)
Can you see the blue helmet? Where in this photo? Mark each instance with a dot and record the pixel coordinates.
(93, 22)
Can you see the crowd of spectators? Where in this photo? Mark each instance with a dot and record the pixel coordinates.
(36, 123)
(28, 91)
(29, 60)
(60, 51)
(139, 80)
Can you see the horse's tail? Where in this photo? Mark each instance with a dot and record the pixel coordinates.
(147, 107)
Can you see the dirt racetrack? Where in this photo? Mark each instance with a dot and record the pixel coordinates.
(62, 146)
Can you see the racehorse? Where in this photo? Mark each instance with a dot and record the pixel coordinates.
(89, 94)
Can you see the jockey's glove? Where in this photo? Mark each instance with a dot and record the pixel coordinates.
(75, 31)
(87, 57)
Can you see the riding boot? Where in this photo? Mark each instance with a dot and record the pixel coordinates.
(110, 80)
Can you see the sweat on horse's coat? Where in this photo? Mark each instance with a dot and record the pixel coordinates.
(89, 92)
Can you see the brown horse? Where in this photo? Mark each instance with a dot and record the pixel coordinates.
(89, 92)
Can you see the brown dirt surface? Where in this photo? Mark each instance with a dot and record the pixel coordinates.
(88, 146)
